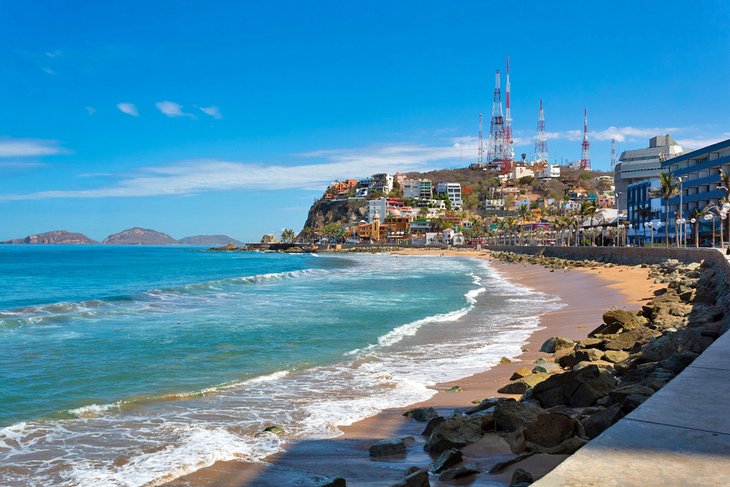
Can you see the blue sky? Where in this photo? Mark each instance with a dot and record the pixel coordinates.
(194, 117)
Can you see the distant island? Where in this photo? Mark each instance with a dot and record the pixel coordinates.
(209, 240)
(54, 237)
(131, 236)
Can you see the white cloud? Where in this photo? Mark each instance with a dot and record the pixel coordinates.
(692, 143)
(29, 147)
(192, 177)
(172, 109)
(90, 110)
(128, 108)
(20, 164)
(212, 111)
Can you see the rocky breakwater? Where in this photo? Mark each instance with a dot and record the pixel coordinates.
(571, 396)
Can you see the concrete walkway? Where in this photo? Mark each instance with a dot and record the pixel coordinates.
(679, 437)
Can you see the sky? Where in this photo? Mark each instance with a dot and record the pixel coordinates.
(229, 117)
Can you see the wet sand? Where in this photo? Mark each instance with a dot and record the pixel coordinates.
(587, 294)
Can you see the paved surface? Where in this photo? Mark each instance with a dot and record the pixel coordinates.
(678, 437)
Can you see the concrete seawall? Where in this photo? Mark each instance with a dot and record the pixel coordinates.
(681, 435)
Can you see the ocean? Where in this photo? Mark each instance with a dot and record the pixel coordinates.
(135, 365)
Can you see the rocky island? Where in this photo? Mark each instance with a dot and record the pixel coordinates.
(58, 237)
(140, 236)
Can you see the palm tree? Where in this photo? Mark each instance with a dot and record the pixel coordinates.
(697, 216)
(588, 208)
(667, 188)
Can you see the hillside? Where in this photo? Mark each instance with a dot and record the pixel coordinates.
(324, 212)
(139, 236)
(60, 237)
(209, 240)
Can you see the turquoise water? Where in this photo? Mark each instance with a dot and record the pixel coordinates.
(129, 365)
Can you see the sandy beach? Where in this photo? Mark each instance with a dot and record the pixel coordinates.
(586, 293)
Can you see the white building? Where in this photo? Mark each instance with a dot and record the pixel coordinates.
(418, 189)
(520, 172)
(382, 182)
(378, 206)
(640, 164)
(452, 192)
(551, 171)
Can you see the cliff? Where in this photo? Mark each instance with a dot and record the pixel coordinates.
(210, 240)
(55, 237)
(323, 212)
(139, 236)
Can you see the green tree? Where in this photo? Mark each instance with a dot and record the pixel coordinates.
(288, 235)
(471, 202)
(333, 230)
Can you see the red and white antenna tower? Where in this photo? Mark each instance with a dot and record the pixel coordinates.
(509, 150)
(480, 153)
(585, 157)
(541, 148)
(613, 153)
(496, 153)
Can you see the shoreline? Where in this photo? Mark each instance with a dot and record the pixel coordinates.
(586, 294)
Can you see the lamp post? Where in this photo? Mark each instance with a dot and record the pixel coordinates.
(650, 226)
(679, 232)
(695, 232)
(711, 218)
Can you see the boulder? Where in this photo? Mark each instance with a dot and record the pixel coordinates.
(585, 355)
(545, 367)
(630, 339)
(550, 429)
(333, 482)
(521, 478)
(598, 422)
(621, 393)
(632, 402)
(277, 430)
(620, 320)
(501, 466)
(432, 424)
(554, 344)
(520, 386)
(457, 433)
(391, 446)
(591, 343)
(505, 360)
(678, 362)
(615, 356)
(454, 389)
(447, 459)
(510, 414)
(483, 405)
(571, 445)
(415, 477)
(520, 373)
(422, 414)
(576, 388)
(458, 472)
(688, 340)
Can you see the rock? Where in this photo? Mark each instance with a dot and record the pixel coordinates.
(632, 402)
(615, 356)
(516, 440)
(621, 393)
(576, 356)
(275, 430)
(578, 388)
(432, 424)
(505, 360)
(422, 414)
(447, 459)
(628, 340)
(483, 405)
(554, 344)
(521, 478)
(457, 433)
(334, 482)
(415, 477)
(520, 373)
(688, 340)
(454, 389)
(501, 466)
(458, 472)
(391, 446)
(678, 362)
(571, 445)
(545, 367)
(520, 386)
(619, 320)
(510, 414)
(702, 314)
(550, 429)
(597, 423)
(591, 343)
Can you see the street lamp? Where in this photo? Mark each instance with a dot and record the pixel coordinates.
(650, 226)
(696, 232)
(711, 218)
(679, 236)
